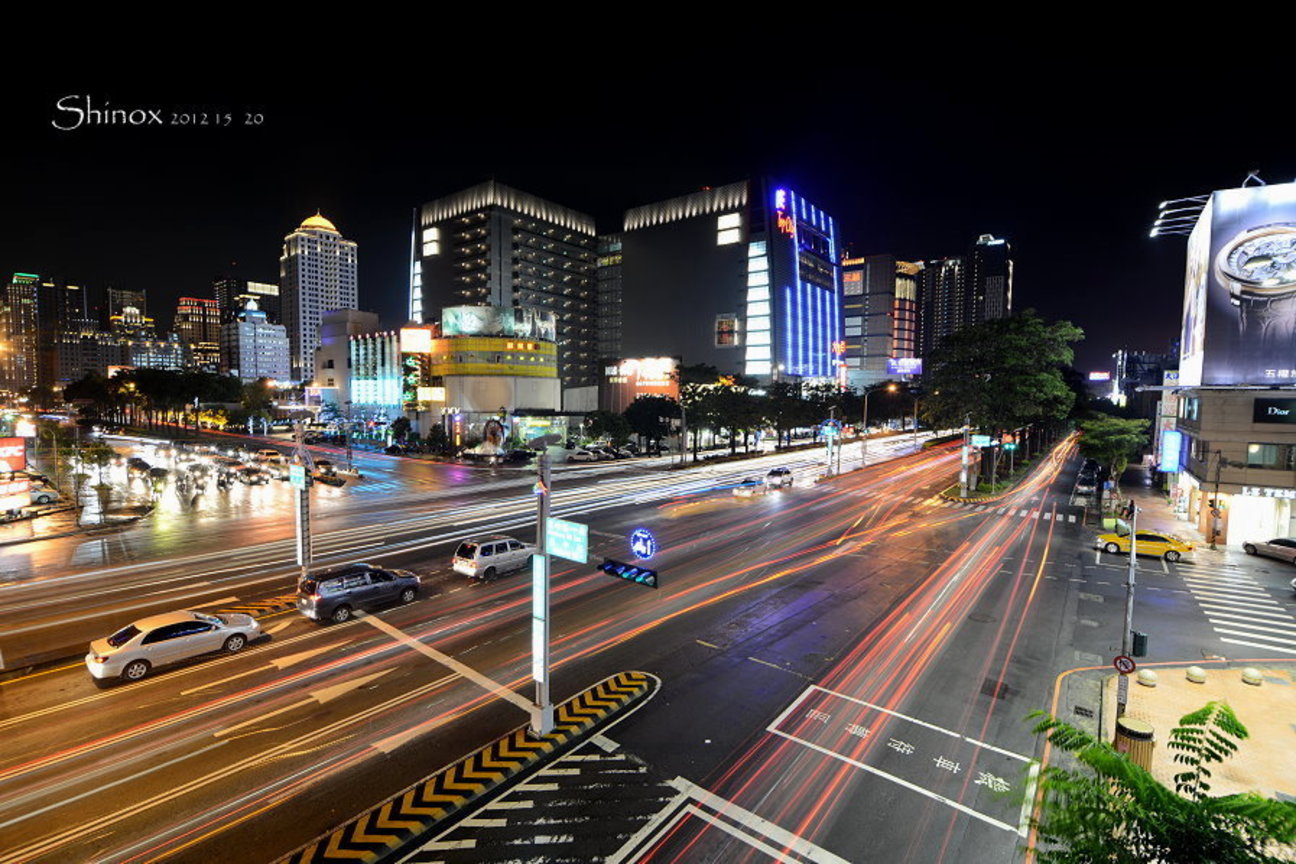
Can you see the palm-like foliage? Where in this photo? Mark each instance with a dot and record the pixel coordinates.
(1115, 811)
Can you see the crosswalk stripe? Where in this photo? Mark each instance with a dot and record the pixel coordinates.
(1238, 590)
(1291, 642)
(1234, 603)
(1246, 600)
(1279, 615)
(1251, 644)
(1286, 631)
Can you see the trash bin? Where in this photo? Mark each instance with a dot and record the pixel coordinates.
(1135, 738)
(1140, 644)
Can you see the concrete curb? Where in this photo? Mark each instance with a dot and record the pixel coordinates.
(384, 831)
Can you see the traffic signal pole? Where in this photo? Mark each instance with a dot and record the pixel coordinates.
(542, 710)
(1127, 635)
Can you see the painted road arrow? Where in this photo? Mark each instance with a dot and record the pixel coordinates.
(280, 663)
(316, 697)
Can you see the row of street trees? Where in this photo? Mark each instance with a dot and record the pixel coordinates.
(735, 408)
(146, 397)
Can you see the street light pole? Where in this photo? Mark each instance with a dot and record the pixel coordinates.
(542, 711)
(347, 435)
(1128, 633)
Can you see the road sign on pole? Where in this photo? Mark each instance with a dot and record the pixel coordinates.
(643, 545)
(542, 710)
(1124, 665)
(568, 540)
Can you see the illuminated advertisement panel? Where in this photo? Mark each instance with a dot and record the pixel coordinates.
(1240, 289)
(1171, 450)
(524, 322)
(13, 454)
(626, 380)
(904, 365)
(1099, 376)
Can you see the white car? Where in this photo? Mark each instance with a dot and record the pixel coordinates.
(136, 649)
(779, 478)
(582, 455)
(488, 557)
(44, 495)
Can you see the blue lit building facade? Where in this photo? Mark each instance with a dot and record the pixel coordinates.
(742, 277)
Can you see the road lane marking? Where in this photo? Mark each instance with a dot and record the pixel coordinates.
(9, 631)
(321, 696)
(1032, 778)
(463, 669)
(649, 829)
(746, 818)
(280, 663)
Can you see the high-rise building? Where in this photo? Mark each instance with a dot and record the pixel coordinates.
(965, 290)
(493, 245)
(991, 272)
(197, 323)
(743, 277)
(879, 316)
(132, 323)
(944, 301)
(232, 295)
(18, 333)
(333, 358)
(609, 297)
(118, 299)
(252, 347)
(317, 274)
(59, 307)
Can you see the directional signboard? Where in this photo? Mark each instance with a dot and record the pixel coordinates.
(980, 440)
(568, 540)
(642, 544)
(297, 476)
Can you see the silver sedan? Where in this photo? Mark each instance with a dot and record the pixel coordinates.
(1280, 547)
(159, 640)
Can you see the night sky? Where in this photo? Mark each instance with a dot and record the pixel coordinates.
(1065, 158)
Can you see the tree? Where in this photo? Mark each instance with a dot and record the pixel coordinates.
(1112, 441)
(400, 428)
(608, 425)
(1115, 811)
(1002, 373)
(649, 417)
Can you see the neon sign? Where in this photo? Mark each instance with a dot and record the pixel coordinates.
(785, 224)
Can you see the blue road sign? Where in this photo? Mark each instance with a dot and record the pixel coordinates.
(568, 540)
(642, 544)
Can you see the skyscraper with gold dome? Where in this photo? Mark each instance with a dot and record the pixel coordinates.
(317, 274)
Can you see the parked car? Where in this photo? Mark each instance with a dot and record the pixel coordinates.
(133, 651)
(779, 478)
(581, 454)
(1281, 548)
(517, 457)
(488, 557)
(44, 495)
(1148, 543)
(332, 595)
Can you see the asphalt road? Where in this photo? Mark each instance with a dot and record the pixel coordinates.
(845, 670)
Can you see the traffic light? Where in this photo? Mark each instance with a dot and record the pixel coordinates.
(629, 572)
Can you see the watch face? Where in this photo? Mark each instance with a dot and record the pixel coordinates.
(1260, 261)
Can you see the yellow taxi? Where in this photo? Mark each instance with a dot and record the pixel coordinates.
(1148, 542)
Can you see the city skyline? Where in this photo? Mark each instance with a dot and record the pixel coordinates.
(106, 205)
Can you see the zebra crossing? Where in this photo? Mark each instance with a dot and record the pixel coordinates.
(1241, 611)
(1064, 513)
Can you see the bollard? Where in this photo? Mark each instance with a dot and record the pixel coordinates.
(1196, 675)
(1252, 676)
(1147, 678)
(1135, 739)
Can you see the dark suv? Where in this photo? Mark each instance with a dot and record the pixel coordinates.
(332, 595)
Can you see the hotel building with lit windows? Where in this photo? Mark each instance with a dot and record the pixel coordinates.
(491, 245)
(743, 277)
(317, 274)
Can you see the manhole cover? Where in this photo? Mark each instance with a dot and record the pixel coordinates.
(981, 619)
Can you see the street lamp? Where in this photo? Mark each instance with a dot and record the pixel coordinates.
(890, 387)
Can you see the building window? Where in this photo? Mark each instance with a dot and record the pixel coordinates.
(1279, 457)
(726, 331)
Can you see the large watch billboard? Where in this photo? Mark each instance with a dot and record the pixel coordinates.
(1239, 324)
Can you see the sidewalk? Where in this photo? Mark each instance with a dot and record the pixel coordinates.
(1265, 762)
(1155, 514)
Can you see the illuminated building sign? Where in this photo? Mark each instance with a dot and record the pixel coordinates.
(1273, 411)
(839, 347)
(1171, 448)
(1099, 376)
(627, 380)
(13, 454)
(786, 224)
(904, 365)
(416, 340)
(1267, 492)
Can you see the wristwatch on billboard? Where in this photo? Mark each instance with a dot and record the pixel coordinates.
(1258, 268)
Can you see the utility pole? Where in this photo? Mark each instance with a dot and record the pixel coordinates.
(1127, 633)
(347, 435)
(542, 711)
(965, 464)
(302, 460)
(1215, 502)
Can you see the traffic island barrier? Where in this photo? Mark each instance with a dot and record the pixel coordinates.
(384, 830)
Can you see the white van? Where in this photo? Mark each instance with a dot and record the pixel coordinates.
(489, 557)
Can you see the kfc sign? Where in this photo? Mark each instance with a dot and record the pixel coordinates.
(13, 454)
